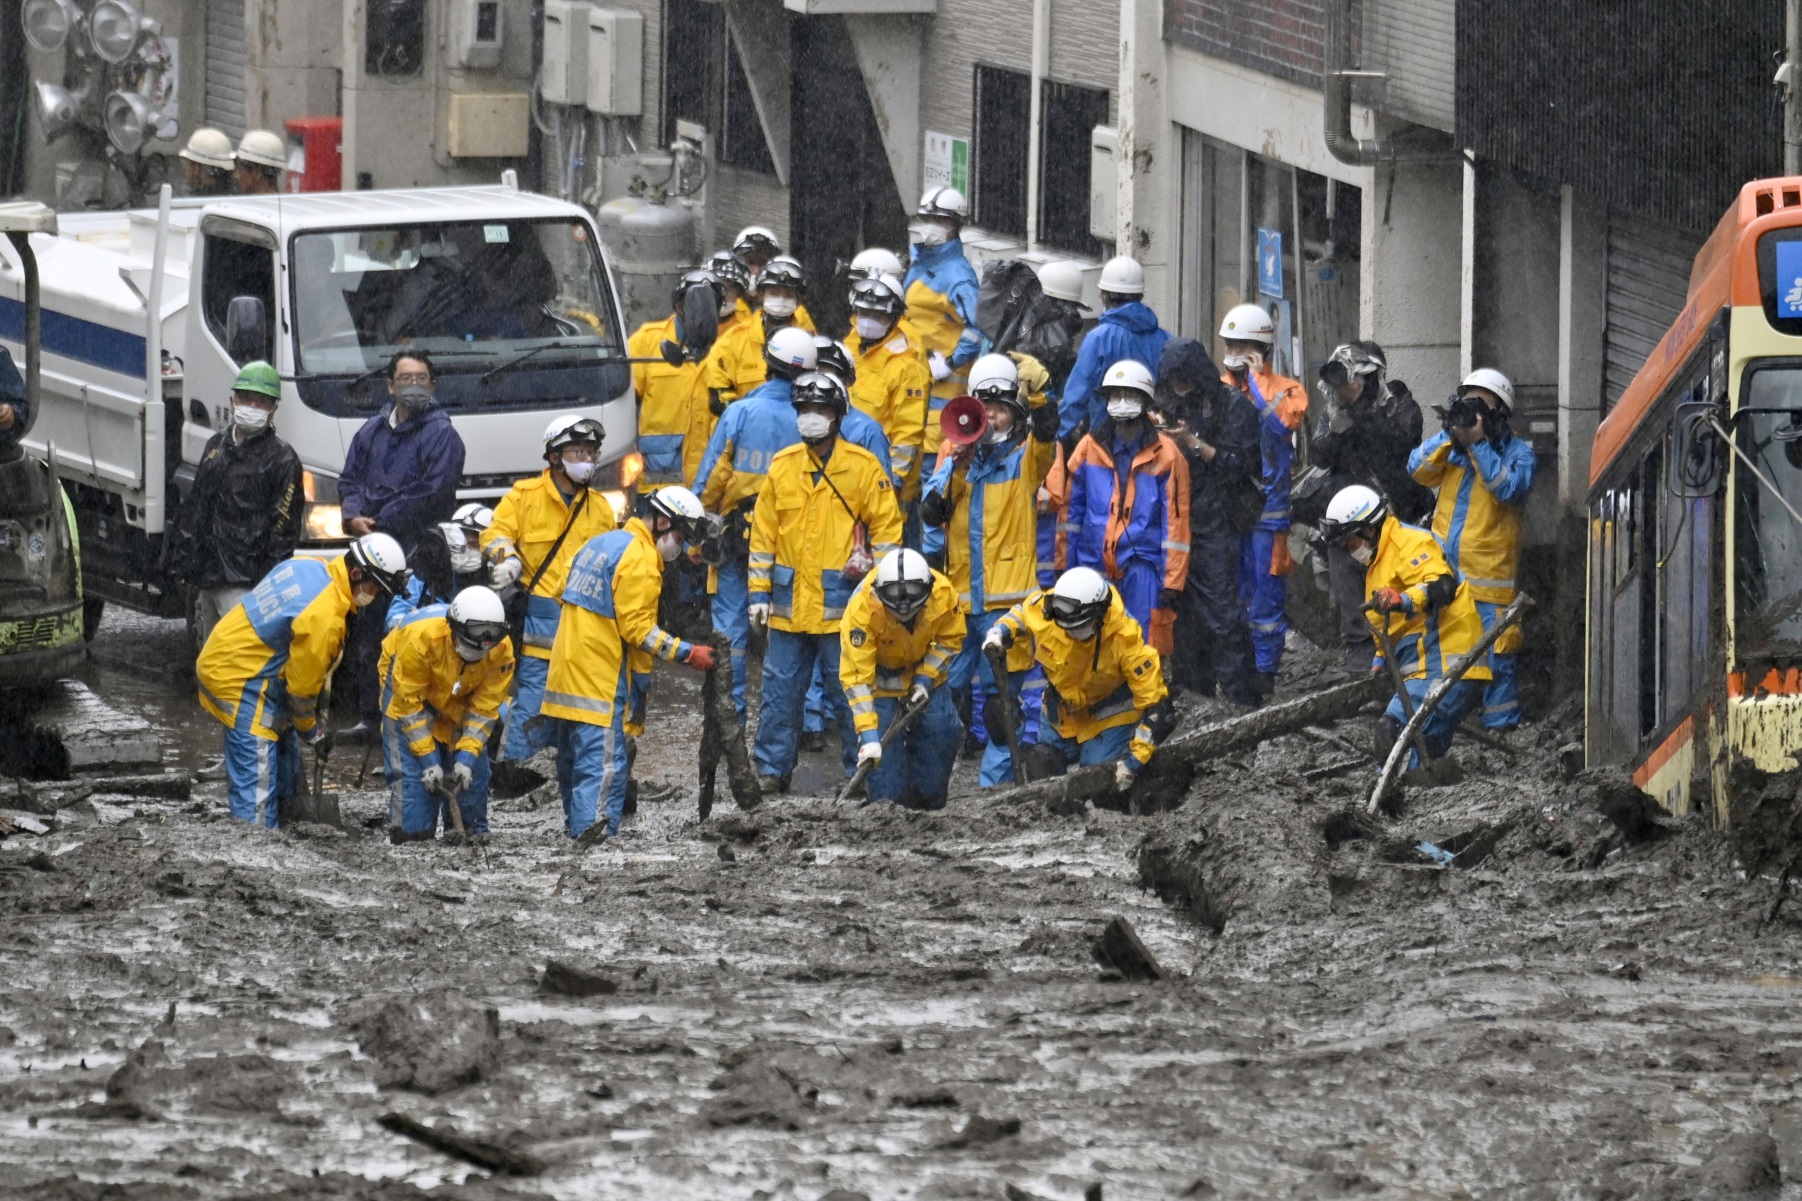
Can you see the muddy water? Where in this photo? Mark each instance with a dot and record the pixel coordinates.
(818, 997)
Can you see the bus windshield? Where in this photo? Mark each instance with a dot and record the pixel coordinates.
(476, 293)
(1768, 540)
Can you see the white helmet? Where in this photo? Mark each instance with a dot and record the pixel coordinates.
(994, 377)
(474, 515)
(1062, 280)
(380, 557)
(943, 202)
(566, 428)
(1354, 509)
(1130, 373)
(209, 148)
(878, 294)
(478, 621)
(263, 148)
(874, 262)
(1248, 323)
(1122, 276)
(1491, 380)
(790, 351)
(756, 239)
(681, 507)
(1079, 597)
(903, 583)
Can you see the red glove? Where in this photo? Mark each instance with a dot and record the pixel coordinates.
(1281, 562)
(699, 656)
(1388, 600)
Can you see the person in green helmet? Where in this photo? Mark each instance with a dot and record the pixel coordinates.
(242, 516)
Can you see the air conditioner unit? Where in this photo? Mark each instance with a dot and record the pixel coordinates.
(564, 77)
(615, 63)
(1104, 184)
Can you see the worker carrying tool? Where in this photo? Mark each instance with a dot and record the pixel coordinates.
(600, 667)
(825, 513)
(533, 538)
(1419, 603)
(1105, 698)
(901, 630)
(265, 663)
(445, 673)
(980, 509)
(1482, 474)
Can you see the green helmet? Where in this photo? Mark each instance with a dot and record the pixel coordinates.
(261, 378)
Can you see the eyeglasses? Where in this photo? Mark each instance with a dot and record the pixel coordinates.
(418, 377)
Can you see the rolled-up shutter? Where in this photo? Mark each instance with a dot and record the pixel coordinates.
(1648, 283)
(225, 59)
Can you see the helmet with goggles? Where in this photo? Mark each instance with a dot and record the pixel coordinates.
(1354, 510)
(701, 277)
(819, 388)
(783, 272)
(478, 621)
(728, 269)
(1079, 599)
(568, 428)
(878, 294)
(681, 508)
(834, 358)
(380, 560)
(995, 380)
(903, 583)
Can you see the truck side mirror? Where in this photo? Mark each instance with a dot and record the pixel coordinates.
(672, 352)
(245, 330)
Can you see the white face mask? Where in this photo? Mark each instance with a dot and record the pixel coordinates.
(928, 233)
(728, 308)
(814, 426)
(1363, 555)
(579, 473)
(782, 307)
(361, 598)
(468, 653)
(1083, 632)
(669, 546)
(1125, 410)
(249, 418)
(871, 328)
(1235, 363)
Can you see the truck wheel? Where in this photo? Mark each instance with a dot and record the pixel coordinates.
(91, 609)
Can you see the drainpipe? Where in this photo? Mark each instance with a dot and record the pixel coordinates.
(1041, 63)
(1336, 100)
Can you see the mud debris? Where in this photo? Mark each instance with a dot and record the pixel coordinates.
(430, 1042)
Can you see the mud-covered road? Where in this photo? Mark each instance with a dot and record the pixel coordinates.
(819, 1001)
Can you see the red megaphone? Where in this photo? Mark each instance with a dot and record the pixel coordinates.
(963, 420)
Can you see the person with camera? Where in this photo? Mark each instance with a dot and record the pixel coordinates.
(1482, 474)
(825, 512)
(980, 512)
(1216, 429)
(530, 542)
(748, 438)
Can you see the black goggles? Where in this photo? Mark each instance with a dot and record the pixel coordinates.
(904, 596)
(1068, 613)
(484, 634)
(874, 295)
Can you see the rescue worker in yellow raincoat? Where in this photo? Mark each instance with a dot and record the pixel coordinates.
(600, 670)
(892, 378)
(537, 529)
(674, 420)
(1105, 698)
(266, 661)
(806, 560)
(755, 247)
(735, 364)
(900, 633)
(445, 671)
(1420, 601)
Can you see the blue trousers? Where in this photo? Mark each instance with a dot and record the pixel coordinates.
(412, 810)
(814, 721)
(591, 773)
(1139, 585)
(260, 775)
(916, 769)
(519, 743)
(1501, 703)
(1265, 598)
(1106, 747)
(787, 671)
(1442, 723)
(731, 617)
(970, 675)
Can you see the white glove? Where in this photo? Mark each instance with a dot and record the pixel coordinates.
(432, 778)
(505, 572)
(760, 616)
(869, 752)
(462, 776)
(994, 638)
(1123, 776)
(941, 368)
(918, 696)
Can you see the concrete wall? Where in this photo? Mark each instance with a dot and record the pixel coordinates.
(1412, 251)
(1284, 38)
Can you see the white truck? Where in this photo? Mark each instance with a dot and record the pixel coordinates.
(507, 291)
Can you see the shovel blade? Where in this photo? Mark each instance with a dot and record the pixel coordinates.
(308, 807)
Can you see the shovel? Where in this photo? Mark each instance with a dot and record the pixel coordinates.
(998, 668)
(896, 728)
(321, 806)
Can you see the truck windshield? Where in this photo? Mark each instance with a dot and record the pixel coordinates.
(478, 293)
(1767, 539)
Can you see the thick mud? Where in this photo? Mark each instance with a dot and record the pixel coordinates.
(1555, 996)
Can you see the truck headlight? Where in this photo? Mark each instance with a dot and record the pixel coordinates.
(631, 468)
(322, 523)
(621, 509)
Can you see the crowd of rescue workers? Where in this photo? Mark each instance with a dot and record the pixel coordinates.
(938, 538)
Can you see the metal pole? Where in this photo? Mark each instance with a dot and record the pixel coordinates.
(154, 475)
(34, 322)
(1041, 62)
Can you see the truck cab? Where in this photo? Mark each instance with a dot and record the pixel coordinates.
(508, 293)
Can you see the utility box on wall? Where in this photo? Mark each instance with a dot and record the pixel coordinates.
(1104, 184)
(564, 78)
(489, 124)
(615, 63)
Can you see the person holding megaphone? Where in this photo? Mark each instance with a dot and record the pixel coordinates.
(980, 512)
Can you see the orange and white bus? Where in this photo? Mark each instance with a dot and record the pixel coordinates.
(1695, 526)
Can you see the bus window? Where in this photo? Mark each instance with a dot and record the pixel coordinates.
(1767, 551)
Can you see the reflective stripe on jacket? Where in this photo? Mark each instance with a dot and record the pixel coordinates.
(1113, 518)
(1282, 407)
(879, 656)
(672, 405)
(1426, 642)
(992, 540)
(526, 525)
(941, 290)
(437, 697)
(266, 661)
(1482, 493)
(892, 386)
(746, 441)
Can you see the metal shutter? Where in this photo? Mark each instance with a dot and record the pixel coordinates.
(1648, 283)
(225, 66)
(1415, 42)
